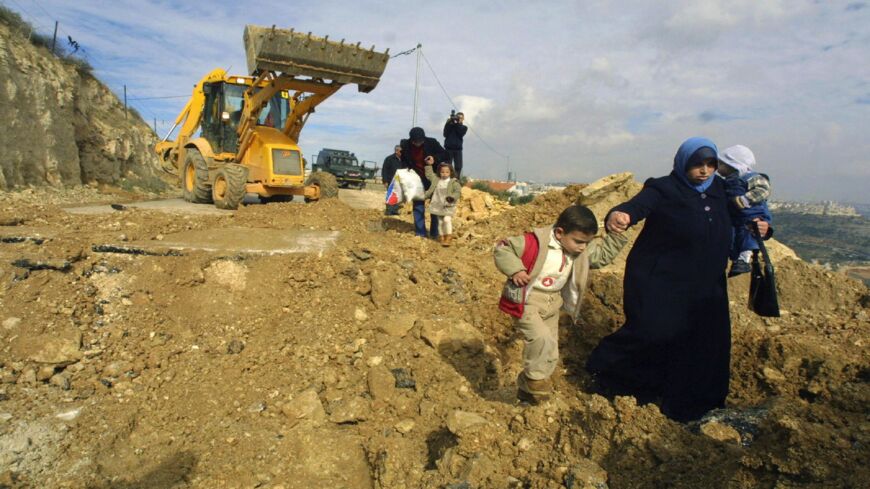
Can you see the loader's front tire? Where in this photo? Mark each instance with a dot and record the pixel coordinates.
(228, 189)
(194, 178)
(327, 183)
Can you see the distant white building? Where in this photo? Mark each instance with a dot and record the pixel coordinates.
(519, 189)
(825, 208)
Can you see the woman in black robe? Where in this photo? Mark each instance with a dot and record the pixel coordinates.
(675, 345)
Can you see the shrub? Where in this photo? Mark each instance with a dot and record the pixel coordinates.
(509, 197)
(13, 20)
(520, 200)
(81, 65)
(482, 186)
(134, 113)
(40, 40)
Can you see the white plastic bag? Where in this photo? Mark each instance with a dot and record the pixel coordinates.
(412, 185)
(394, 193)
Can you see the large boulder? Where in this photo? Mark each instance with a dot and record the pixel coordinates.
(318, 457)
(59, 348)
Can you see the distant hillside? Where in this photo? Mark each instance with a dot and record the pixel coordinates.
(863, 209)
(834, 240)
(826, 208)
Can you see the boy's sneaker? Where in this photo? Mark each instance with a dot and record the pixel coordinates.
(738, 267)
(533, 391)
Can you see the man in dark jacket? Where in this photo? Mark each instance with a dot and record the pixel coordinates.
(417, 151)
(388, 171)
(454, 131)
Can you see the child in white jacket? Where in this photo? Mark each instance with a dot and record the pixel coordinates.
(444, 193)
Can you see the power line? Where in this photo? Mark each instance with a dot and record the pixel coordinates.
(36, 26)
(443, 90)
(31, 20)
(82, 50)
(403, 53)
(40, 8)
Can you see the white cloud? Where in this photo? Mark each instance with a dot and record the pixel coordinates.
(529, 104)
(700, 21)
(472, 106)
(603, 139)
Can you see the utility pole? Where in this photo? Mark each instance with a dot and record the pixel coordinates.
(417, 85)
(54, 37)
(125, 102)
(155, 125)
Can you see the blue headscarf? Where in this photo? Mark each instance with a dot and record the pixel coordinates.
(681, 159)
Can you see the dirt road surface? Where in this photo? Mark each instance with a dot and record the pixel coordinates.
(370, 198)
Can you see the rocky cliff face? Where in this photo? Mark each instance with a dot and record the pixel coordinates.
(63, 127)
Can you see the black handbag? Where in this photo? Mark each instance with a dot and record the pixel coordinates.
(762, 286)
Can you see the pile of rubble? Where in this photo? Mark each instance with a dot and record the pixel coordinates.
(477, 205)
(380, 361)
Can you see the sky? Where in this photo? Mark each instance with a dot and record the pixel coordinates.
(557, 91)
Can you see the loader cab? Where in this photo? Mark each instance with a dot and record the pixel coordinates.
(223, 111)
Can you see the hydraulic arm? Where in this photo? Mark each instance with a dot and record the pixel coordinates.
(239, 134)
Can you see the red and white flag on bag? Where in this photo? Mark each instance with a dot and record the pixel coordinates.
(394, 193)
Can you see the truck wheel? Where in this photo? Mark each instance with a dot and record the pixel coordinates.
(362, 185)
(194, 178)
(228, 189)
(327, 183)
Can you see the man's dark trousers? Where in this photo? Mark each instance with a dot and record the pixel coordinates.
(420, 221)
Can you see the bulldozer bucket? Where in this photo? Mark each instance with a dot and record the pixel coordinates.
(298, 54)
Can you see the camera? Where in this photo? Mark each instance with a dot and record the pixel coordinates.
(453, 116)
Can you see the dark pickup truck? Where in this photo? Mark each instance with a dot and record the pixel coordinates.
(344, 165)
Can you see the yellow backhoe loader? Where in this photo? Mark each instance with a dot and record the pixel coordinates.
(249, 125)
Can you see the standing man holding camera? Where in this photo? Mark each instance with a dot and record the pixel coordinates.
(388, 171)
(454, 131)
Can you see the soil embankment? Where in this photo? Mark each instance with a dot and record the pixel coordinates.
(61, 126)
(380, 360)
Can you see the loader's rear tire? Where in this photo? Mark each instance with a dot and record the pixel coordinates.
(228, 189)
(327, 183)
(194, 178)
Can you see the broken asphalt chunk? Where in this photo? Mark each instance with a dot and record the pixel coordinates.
(404, 380)
(28, 264)
(129, 250)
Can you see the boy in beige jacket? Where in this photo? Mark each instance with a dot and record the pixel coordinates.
(547, 270)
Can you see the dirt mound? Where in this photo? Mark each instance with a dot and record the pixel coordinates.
(380, 362)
